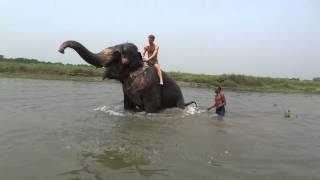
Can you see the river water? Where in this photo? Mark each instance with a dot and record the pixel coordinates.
(78, 130)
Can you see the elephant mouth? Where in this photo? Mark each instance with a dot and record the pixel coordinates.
(110, 74)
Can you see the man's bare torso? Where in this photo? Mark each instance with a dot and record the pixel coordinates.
(219, 99)
(150, 50)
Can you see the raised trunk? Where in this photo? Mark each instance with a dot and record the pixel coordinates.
(98, 60)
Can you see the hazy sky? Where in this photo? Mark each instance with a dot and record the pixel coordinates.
(279, 38)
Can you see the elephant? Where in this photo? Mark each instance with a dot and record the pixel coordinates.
(140, 82)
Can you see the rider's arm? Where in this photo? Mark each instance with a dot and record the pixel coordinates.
(144, 51)
(155, 52)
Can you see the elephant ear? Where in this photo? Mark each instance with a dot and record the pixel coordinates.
(135, 62)
(122, 58)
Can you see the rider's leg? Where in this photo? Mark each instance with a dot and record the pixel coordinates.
(157, 66)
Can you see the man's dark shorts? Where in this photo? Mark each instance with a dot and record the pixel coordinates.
(221, 111)
(152, 63)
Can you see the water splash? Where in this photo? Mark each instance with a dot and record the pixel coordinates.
(110, 110)
(192, 110)
(118, 110)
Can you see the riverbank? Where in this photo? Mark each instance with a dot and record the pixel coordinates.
(34, 69)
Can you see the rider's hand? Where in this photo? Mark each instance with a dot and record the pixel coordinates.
(145, 59)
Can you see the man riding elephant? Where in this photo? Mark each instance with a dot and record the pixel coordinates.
(152, 59)
(140, 86)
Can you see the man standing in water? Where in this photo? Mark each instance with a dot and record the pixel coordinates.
(220, 102)
(153, 50)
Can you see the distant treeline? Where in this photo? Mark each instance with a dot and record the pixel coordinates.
(244, 82)
(33, 68)
(22, 60)
(30, 61)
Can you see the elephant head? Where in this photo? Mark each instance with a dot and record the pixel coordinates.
(118, 60)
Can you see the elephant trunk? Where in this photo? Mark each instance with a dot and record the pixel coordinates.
(97, 60)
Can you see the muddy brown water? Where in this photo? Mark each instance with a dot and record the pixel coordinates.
(78, 130)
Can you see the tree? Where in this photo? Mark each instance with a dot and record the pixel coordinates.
(316, 79)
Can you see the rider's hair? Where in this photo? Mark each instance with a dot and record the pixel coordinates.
(151, 36)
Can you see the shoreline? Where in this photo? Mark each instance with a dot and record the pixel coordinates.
(34, 69)
(179, 82)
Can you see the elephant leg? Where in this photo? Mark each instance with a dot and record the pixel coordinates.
(152, 100)
(128, 104)
(181, 104)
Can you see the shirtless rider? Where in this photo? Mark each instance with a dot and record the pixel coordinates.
(152, 58)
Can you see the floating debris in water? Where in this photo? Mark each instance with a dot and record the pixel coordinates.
(155, 151)
(287, 114)
(213, 162)
(122, 149)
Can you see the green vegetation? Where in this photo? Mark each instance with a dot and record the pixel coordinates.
(31, 68)
(249, 83)
(25, 68)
